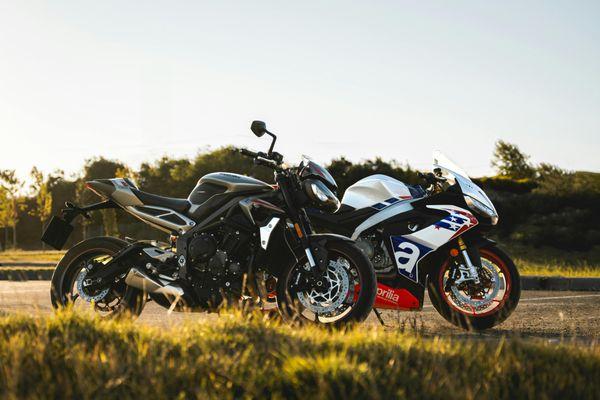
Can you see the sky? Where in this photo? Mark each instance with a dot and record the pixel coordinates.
(136, 80)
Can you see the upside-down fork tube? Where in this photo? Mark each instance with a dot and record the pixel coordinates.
(467, 258)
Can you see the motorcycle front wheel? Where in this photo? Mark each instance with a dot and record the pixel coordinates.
(478, 307)
(343, 293)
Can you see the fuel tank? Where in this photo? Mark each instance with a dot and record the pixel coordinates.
(222, 182)
(376, 191)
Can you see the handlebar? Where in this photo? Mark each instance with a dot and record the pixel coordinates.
(431, 178)
(272, 160)
(265, 161)
(248, 153)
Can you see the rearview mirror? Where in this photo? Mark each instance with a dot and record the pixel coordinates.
(259, 128)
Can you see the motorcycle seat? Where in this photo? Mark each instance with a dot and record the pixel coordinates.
(149, 199)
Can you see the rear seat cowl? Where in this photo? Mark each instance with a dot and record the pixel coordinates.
(102, 187)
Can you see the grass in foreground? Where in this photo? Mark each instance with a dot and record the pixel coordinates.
(72, 356)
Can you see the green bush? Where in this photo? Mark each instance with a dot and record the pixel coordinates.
(506, 184)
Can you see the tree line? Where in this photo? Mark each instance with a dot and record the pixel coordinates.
(540, 205)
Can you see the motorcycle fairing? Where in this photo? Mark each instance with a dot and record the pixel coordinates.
(415, 253)
(451, 226)
(383, 215)
(395, 298)
(406, 254)
(411, 248)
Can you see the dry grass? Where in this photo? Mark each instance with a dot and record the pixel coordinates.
(558, 268)
(28, 256)
(73, 356)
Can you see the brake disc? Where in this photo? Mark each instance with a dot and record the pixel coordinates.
(98, 296)
(462, 298)
(333, 294)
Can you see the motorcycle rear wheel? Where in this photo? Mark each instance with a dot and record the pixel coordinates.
(64, 289)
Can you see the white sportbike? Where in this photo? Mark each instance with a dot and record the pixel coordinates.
(434, 238)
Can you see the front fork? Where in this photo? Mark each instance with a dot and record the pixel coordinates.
(471, 269)
(315, 250)
(301, 233)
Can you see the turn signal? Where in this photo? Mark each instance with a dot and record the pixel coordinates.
(453, 252)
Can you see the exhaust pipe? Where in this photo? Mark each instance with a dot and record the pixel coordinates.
(141, 280)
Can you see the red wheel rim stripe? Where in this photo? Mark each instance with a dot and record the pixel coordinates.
(496, 261)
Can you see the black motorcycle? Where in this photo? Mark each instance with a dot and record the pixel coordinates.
(234, 238)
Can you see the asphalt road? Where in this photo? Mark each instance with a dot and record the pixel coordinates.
(552, 316)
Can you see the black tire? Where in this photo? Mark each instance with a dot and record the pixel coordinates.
(368, 289)
(67, 269)
(475, 322)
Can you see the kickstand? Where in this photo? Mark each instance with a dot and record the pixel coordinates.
(173, 305)
(378, 314)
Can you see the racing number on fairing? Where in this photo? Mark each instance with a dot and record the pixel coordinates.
(407, 255)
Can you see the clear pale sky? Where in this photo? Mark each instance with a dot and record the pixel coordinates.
(135, 80)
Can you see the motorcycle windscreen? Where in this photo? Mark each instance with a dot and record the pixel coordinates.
(456, 174)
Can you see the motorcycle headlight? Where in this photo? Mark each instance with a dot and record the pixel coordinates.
(321, 196)
(482, 209)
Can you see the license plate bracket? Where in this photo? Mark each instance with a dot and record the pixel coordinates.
(57, 232)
